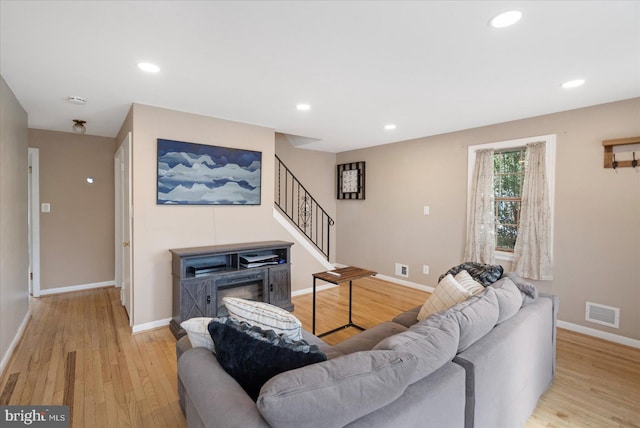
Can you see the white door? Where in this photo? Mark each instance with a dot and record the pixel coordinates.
(34, 221)
(123, 256)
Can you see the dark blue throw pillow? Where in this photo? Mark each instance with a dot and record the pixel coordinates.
(483, 273)
(252, 356)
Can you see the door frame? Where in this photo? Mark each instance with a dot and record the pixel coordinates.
(123, 213)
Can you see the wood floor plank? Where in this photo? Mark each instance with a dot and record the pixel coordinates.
(126, 380)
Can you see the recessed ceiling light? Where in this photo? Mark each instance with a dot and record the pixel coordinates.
(303, 107)
(77, 100)
(148, 67)
(573, 83)
(390, 126)
(506, 19)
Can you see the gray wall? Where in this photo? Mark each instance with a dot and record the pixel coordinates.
(597, 210)
(14, 251)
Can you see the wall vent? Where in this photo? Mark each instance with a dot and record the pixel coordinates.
(402, 270)
(602, 314)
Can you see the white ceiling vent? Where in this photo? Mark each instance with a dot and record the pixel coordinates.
(601, 314)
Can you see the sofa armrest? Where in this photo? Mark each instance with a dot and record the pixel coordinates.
(182, 345)
(212, 396)
(409, 317)
(555, 304)
(366, 340)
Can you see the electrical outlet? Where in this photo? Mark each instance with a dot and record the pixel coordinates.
(425, 210)
(425, 269)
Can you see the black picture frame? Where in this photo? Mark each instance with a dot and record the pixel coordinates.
(360, 193)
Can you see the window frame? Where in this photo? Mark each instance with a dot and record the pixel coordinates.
(550, 157)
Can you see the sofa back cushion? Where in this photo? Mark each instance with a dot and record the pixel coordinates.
(433, 341)
(528, 290)
(509, 298)
(335, 392)
(476, 317)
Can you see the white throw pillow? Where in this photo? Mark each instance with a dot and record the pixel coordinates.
(198, 332)
(448, 293)
(468, 282)
(265, 316)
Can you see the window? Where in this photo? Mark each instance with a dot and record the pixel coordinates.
(508, 176)
(509, 169)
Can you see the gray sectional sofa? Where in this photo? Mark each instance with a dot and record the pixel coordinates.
(469, 366)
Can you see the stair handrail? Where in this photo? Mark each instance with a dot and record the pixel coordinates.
(304, 214)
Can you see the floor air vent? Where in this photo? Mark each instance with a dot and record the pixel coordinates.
(601, 314)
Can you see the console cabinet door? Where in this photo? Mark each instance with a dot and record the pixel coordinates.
(280, 286)
(195, 300)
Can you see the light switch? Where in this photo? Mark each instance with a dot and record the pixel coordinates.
(426, 210)
(45, 208)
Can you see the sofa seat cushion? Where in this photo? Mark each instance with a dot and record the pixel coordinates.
(509, 298)
(433, 341)
(366, 340)
(335, 392)
(476, 317)
(252, 356)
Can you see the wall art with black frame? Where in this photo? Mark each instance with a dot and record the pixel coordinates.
(198, 174)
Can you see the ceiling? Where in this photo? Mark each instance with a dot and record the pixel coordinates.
(428, 67)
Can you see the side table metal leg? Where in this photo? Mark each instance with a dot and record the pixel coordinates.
(313, 329)
(350, 300)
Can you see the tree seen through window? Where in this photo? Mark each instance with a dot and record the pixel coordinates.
(508, 176)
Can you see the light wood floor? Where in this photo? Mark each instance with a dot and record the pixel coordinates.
(78, 350)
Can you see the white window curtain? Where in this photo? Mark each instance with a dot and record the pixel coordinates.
(481, 230)
(532, 252)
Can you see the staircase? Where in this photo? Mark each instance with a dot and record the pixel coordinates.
(302, 210)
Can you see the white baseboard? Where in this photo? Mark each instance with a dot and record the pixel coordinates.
(616, 338)
(383, 277)
(310, 289)
(409, 284)
(150, 325)
(47, 291)
(14, 343)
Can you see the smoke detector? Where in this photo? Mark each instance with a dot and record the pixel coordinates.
(77, 100)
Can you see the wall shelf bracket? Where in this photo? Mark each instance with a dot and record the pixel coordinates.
(621, 145)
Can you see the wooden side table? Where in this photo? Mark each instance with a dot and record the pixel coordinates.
(337, 277)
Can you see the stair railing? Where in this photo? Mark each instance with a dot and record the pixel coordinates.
(293, 199)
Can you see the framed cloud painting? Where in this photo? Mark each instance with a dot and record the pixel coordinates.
(197, 174)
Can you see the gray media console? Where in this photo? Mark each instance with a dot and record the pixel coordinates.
(202, 276)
